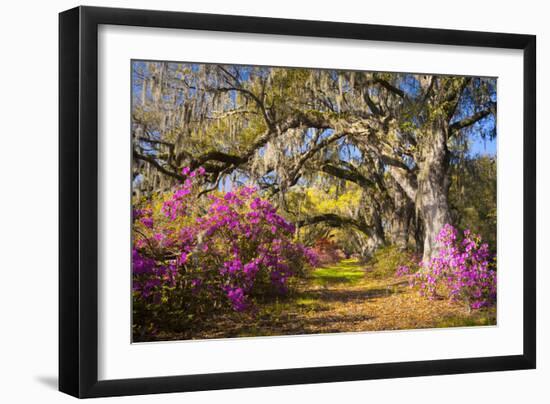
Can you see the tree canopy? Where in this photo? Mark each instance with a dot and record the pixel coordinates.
(380, 157)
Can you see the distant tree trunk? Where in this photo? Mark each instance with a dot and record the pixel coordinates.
(378, 227)
(418, 233)
(377, 238)
(433, 188)
(403, 210)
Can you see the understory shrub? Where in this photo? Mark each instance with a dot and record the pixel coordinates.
(386, 259)
(327, 252)
(193, 256)
(463, 270)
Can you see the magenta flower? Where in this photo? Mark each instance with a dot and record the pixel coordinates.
(240, 242)
(183, 258)
(147, 222)
(462, 266)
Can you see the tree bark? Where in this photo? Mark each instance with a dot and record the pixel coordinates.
(418, 234)
(401, 218)
(433, 187)
(376, 239)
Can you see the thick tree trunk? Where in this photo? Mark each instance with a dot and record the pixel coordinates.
(418, 234)
(433, 188)
(378, 227)
(401, 218)
(376, 237)
(370, 247)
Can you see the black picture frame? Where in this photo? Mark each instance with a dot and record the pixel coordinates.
(78, 201)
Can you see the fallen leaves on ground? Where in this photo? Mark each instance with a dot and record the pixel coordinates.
(325, 303)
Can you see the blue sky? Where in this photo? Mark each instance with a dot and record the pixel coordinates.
(487, 147)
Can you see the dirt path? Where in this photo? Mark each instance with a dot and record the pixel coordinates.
(345, 297)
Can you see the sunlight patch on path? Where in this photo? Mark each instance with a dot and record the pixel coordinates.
(346, 271)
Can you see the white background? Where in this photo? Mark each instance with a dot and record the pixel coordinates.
(28, 298)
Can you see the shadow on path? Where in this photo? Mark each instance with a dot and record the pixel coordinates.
(347, 295)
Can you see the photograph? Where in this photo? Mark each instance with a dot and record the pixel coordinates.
(269, 202)
(272, 201)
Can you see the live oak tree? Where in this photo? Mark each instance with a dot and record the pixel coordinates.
(392, 135)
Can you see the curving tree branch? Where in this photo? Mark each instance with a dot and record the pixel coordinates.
(347, 174)
(334, 220)
(468, 121)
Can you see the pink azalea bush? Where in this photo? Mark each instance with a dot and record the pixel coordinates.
(327, 252)
(194, 256)
(462, 268)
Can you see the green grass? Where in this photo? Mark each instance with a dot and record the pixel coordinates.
(307, 301)
(346, 271)
(386, 260)
(479, 318)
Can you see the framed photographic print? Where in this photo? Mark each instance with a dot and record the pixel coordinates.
(251, 201)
